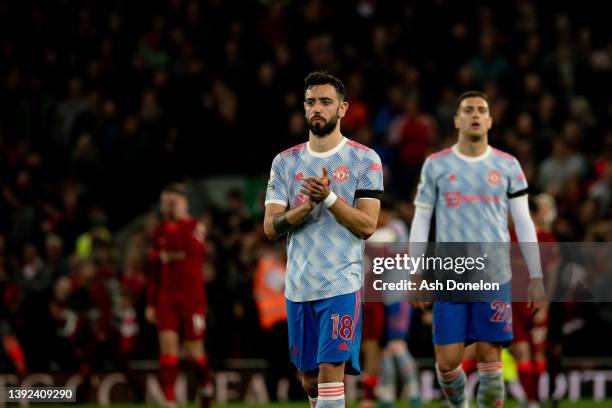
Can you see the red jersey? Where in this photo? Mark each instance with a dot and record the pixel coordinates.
(177, 260)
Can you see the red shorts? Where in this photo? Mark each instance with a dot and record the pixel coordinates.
(373, 321)
(187, 320)
(528, 328)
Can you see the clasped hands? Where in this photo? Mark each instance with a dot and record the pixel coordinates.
(316, 187)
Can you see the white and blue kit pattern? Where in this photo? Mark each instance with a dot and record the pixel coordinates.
(470, 195)
(324, 258)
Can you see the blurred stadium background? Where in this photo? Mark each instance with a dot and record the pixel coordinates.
(104, 102)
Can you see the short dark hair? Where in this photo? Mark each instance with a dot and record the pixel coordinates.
(471, 94)
(324, 78)
(175, 187)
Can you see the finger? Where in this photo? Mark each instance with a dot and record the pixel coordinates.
(306, 191)
(311, 190)
(308, 186)
(319, 182)
(310, 183)
(325, 175)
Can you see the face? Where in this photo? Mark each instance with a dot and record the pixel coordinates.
(323, 109)
(473, 118)
(173, 205)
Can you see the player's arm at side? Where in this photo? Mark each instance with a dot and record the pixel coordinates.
(278, 220)
(417, 246)
(424, 204)
(154, 270)
(528, 241)
(360, 220)
(525, 233)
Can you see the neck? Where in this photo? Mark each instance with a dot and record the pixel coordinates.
(322, 144)
(177, 218)
(470, 147)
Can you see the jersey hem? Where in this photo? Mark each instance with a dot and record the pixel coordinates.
(351, 290)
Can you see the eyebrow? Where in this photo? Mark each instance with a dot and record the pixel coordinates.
(476, 107)
(323, 98)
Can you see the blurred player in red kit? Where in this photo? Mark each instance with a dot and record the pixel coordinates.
(176, 293)
(530, 330)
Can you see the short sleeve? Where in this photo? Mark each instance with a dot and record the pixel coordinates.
(370, 183)
(426, 191)
(517, 182)
(276, 191)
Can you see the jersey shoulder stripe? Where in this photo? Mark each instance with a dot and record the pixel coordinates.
(357, 145)
(440, 153)
(502, 154)
(294, 148)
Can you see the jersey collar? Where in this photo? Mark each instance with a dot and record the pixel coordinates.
(471, 159)
(329, 152)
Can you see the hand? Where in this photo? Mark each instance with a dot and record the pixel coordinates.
(200, 232)
(150, 315)
(317, 188)
(536, 294)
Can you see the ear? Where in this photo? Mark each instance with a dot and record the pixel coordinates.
(456, 121)
(489, 122)
(342, 109)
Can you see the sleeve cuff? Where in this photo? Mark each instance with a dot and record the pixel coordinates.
(274, 201)
(422, 204)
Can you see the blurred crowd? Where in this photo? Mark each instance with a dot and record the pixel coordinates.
(102, 103)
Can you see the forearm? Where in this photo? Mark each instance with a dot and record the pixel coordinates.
(526, 235)
(419, 231)
(357, 221)
(279, 224)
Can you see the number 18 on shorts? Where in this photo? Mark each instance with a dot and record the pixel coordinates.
(325, 331)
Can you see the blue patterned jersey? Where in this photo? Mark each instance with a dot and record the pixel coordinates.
(470, 196)
(324, 258)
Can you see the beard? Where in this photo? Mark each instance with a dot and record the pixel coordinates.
(324, 129)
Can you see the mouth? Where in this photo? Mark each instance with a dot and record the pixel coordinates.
(318, 118)
(475, 126)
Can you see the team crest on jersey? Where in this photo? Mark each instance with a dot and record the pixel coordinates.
(453, 198)
(494, 177)
(341, 174)
(299, 176)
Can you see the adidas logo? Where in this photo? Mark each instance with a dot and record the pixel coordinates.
(343, 346)
(452, 177)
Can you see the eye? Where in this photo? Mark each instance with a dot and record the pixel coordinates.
(309, 103)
